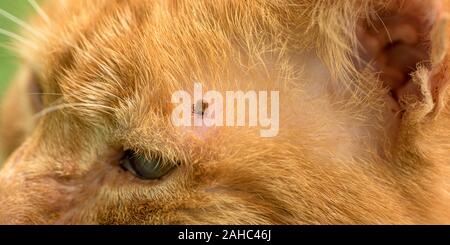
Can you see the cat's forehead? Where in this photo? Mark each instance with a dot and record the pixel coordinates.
(113, 53)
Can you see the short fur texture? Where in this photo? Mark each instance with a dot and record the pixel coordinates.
(107, 68)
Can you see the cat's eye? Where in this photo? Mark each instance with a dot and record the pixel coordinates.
(146, 168)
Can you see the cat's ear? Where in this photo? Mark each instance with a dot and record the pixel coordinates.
(406, 42)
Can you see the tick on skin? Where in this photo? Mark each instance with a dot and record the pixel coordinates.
(200, 108)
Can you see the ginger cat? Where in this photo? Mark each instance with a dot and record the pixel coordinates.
(364, 114)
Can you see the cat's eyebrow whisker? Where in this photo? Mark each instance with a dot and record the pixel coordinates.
(58, 107)
(39, 10)
(58, 94)
(12, 48)
(17, 38)
(20, 22)
(49, 110)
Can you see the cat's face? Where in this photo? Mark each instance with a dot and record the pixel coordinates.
(362, 133)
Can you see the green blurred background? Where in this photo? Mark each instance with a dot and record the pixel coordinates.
(8, 62)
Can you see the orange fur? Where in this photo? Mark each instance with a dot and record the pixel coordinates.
(108, 68)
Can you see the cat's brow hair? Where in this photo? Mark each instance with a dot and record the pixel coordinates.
(115, 63)
(91, 65)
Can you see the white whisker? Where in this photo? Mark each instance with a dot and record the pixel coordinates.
(39, 10)
(19, 22)
(50, 110)
(72, 105)
(11, 48)
(45, 94)
(17, 38)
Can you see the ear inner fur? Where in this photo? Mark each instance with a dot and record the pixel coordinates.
(407, 45)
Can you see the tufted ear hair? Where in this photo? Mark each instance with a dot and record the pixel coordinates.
(439, 75)
(405, 41)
